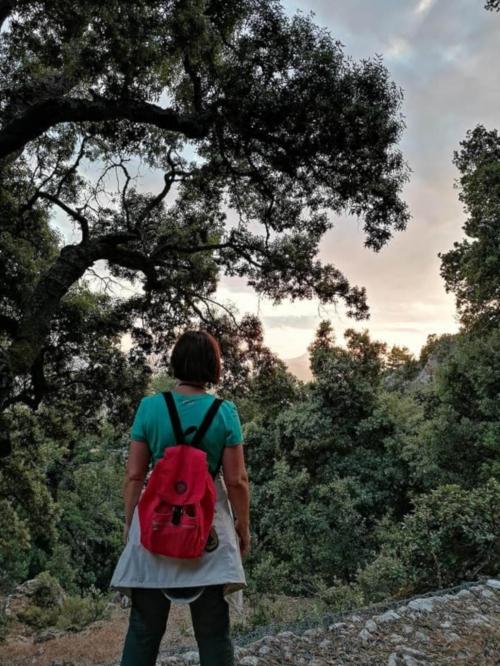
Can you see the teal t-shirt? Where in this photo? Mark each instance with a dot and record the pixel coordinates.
(152, 424)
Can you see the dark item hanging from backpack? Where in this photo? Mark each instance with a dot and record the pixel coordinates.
(177, 507)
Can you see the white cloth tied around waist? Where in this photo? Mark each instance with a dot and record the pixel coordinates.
(138, 567)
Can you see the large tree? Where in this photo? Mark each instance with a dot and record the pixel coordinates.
(471, 270)
(259, 124)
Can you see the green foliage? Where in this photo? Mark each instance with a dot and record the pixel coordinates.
(341, 597)
(452, 535)
(78, 612)
(383, 578)
(471, 269)
(47, 591)
(46, 599)
(91, 511)
(39, 618)
(461, 437)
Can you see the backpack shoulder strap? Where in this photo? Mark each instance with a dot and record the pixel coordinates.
(205, 424)
(174, 417)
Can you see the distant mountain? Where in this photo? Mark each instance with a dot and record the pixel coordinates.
(299, 367)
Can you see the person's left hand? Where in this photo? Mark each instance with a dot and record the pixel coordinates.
(125, 532)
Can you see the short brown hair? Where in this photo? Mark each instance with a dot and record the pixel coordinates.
(196, 358)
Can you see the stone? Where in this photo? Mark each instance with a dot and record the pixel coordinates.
(421, 605)
(479, 620)
(405, 649)
(495, 584)
(365, 636)
(487, 594)
(313, 633)
(264, 650)
(249, 661)
(338, 626)
(325, 645)
(286, 634)
(370, 626)
(47, 635)
(452, 637)
(420, 636)
(408, 660)
(407, 629)
(393, 660)
(388, 616)
(395, 638)
(191, 657)
(463, 594)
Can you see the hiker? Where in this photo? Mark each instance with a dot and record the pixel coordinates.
(152, 580)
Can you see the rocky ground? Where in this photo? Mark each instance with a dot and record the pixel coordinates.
(459, 628)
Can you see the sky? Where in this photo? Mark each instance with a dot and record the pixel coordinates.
(445, 55)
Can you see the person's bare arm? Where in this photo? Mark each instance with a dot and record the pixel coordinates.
(236, 480)
(137, 467)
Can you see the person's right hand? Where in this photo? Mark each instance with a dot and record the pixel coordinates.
(245, 539)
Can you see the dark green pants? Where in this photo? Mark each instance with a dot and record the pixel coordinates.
(148, 620)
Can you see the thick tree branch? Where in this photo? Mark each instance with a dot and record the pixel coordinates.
(40, 117)
(82, 221)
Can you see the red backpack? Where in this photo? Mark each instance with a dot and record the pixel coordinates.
(177, 507)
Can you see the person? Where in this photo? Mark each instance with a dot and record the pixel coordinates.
(154, 581)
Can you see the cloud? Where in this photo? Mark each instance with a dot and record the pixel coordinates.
(397, 47)
(290, 321)
(423, 6)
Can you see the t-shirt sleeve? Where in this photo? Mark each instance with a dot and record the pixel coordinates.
(234, 434)
(138, 430)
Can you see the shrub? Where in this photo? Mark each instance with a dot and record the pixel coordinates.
(451, 536)
(77, 612)
(37, 617)
(342, 597)
(385, 577)
(47, 591)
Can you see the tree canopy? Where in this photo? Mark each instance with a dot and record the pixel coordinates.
(258, 124)
(471, 269)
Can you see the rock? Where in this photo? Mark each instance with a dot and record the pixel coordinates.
(370, 626)
(365, 636)
(325, 645)
(313, 633)
(420, 636)
(191, 657)
(286, 634)
(463, 594)
(407, 629)
(452, 637)
(355, 618)
(479, 620)
(421, 605)
(408, 660)
(47, 635)
(388, 616)
(445, 625)
(495, 584)
(125, 601)
(487, 594)
(249, 661)
(411, 651)
(396, 638)
(264, 650)
(393, 660)
(338, 626)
